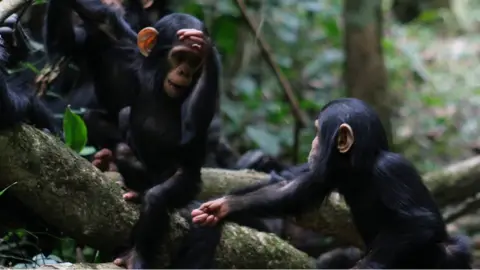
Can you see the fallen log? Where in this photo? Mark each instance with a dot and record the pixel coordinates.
(70, 194)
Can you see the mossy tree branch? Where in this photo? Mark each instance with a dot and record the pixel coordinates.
(67, 192)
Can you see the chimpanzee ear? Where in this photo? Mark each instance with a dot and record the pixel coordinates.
(345, 138)
(146, 40)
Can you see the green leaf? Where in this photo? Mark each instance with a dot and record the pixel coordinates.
(30, 66)
(5, 189)
(75, 130)
(264, 139)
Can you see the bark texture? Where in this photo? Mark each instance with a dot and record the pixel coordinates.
(67, 192)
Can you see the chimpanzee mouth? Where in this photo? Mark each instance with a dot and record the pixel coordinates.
(176, 86)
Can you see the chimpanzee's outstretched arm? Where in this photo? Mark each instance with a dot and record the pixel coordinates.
(279, 199)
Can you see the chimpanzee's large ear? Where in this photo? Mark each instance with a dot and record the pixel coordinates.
(146, 40)
(345, 138)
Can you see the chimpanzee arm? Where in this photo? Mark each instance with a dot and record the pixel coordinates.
(61, 37)
(136, 15)
(250, 188)
(107, 19)
(16, 106)
(198, 110)
(279, 199)
(414, 218)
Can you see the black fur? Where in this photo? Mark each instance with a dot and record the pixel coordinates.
(80, 44)
(16, 104)
(392, 209)
(171, 153)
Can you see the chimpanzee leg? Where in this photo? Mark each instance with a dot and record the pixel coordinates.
(102, 129)
(199, 246)
(154, 221)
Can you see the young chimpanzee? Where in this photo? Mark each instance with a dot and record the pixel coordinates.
(392, 209)
(169, 76)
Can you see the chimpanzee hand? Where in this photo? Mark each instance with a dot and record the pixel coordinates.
(211, 212)
(6, 37)
(194, 37)
(127, 260)
(14, 40)
(104, 161)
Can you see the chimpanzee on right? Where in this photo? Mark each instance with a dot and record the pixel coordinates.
(392, 209)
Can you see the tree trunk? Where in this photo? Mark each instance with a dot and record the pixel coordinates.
(365, 73)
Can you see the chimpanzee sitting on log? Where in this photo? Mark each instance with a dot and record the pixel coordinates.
(169, 76)
(392, 209)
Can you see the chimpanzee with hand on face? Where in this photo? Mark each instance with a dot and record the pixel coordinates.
(392, 209)
(169, 76)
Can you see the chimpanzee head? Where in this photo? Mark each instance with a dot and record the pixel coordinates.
(180, 60)
(349, 135)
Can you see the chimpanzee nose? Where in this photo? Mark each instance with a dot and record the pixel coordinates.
(182, 72)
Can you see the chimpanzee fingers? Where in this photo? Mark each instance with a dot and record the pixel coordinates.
(211, 220)
(104, 153)
(196, 212)
(120, 262)
(100, 164)
(97, 163)
(196, 46)
(189, 31)
(200, 219)
(205, 206)
(130, 196)
(193, 35)
(194, 39)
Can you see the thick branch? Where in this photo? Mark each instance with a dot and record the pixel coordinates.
(66, 191)
(69, 193)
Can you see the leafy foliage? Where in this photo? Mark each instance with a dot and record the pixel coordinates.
(75, 131)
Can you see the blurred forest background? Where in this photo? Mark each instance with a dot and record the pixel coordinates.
(423, 77)
(431, 89)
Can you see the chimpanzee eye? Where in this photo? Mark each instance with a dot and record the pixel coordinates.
(194, 62)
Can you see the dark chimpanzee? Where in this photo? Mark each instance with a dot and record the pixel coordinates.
(391, 207)
(170, 81)
(16, 105)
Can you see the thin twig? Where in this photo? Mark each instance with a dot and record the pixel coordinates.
(265, 49)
